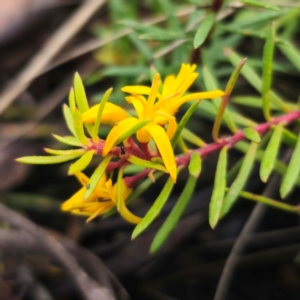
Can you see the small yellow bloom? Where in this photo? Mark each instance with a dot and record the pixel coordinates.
(102, 200)
(145, 111)
(111, 114)
(173, 90)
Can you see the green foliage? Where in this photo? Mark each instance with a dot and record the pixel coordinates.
(215, 40)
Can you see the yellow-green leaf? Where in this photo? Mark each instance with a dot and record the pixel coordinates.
(80, 95)
(270, 154)
(68, 140)
(252, 135)
(217, 197)
(204, 29)
(240, 180)
(44, 160)
(81, 163)
(146, 163)
(65, 152)
(267, 71)
(78, 127)
(292, 172)
(195, 165)
(69, 118)
(155, 209)
(96, 127)
(96, 176)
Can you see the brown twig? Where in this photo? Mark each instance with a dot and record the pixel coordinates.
(89, 288)
(59, 39)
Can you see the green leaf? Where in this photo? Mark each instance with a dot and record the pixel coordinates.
(192, 138)
(96, 127)
(210, 84)
(204, 29)
(69, 118)
(289, 138)
(253, 78)
(292, 54)
(260, 4)
(119, 188)
(292, 172)
(132, 131)
(140, 27)
(251, 101)
(270, 154)
(155, 209)
(136, 192)
(240, 180)
(222, 107)
(183, 122)
(279, 167)
(217, 197)
(44, 160)
(78, 127)
(175, 214)
(72, 103)
(96, 176)
(252, 135)
(81, 163)
(65, 152)
(159, 36)
(80, 95)
(267, 71)
(146, 163)
(69, 140)
(195, 165)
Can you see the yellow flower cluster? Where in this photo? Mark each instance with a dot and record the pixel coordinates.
(156, 104)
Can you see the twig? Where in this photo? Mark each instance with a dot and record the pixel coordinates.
(241, 242)
(49, 103)
(21, 241)
(89, 288)
(59, 39)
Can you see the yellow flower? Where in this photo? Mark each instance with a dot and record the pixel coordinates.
(111, 114)
(159, 112)
(145, 111)
(102, 200)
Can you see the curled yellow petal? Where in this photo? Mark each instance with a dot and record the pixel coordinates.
(164, 146)
(111, 114)
(169, 80)
(139, 104)
(136, 89)
(117, 131)
(82, 178)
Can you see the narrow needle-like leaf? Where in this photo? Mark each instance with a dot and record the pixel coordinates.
(155, 209)
(204, 29)
(96, 127)
(240, 180)
(146, 163)
(267, 71)
(96, 177)
(69, 140)
(292, 172)
(78, 127)
(183, 122)
(229, 87)
(44, 160)
(80, 95)
(252, 135)
(81, 163)
(69, 118)
(270, 154)
(119, 188)
(178, 210)
(217, 197)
